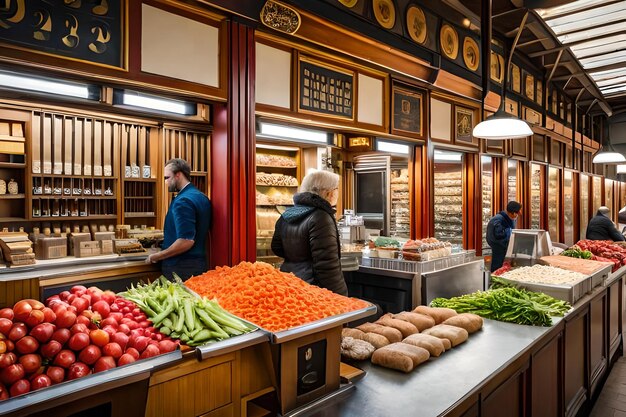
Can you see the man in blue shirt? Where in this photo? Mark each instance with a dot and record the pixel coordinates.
(186, 225)
(499, 232)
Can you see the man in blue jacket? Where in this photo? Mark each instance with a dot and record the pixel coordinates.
(186, 225)
(499, 232)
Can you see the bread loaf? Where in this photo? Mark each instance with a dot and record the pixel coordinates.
(440, 314)
(405, 327)
(420, 321)
(393, 335)
(400, 356)
(432, 344)
(356, 349)
(468, 321)
(375, 339)
(456, 335)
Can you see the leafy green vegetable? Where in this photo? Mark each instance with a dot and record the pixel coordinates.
(577, 252)
(386, 242)
(508, 303)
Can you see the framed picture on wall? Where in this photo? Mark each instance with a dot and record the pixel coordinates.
(407, 117)
(463, 125)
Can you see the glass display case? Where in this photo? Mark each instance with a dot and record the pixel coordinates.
(535, 196)
(511, 181)
(584, 204)
(554, 208)
(399, 219)
(568, 208)
(487, 198)
(448, 196)
(277, 180)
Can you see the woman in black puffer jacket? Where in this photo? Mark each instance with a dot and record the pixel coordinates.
(306, 234)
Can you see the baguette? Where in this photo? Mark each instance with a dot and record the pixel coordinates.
(456, 335)
(400, 356)
(440, 314)
(432, 344)
(375, 339)
(405, 327)
(468, 321)
(420, 321)
(393, 335)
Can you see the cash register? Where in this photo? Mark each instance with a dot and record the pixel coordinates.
(526, 246)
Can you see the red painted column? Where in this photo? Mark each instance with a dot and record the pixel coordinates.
(233, 234)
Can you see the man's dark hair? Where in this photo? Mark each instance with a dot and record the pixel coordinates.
(513, 207)
(180, 165)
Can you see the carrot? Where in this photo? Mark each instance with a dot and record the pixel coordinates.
(271, 299)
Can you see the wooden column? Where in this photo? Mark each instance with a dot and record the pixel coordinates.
(233, 234)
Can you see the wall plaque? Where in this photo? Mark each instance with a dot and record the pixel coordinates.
(406, 112)
(325, 89)
(89, 31)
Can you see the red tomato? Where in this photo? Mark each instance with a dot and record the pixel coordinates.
(79, 328)
(115, 308)
(109, 321)
(40, 381)
(4, 393)
(101, 307)
(132, 352)
(43, 332)
(80, 303)
(50, 349)
(49, 315)
(110, 330)
(121, 339)
(109, 296)
(12, 373)
(126, 358)
(167, 346)
(82, 319)
(123, 328)
(150, 351)
(19, 387)
(112, 349)
(10, 345)
(65, 319)
(35, 317)
(77, 370)
(7, 313)
(17, 331)
(7, 359)
(27, 344)
(141, 343)
(61, 335)
(71, 298)
(30, 362)
(78, 341)
(104, 363)
(116, 315)
(78, 288)
(5, 325)
(90, 354)
(64, 358)
(63, 295)
(56, 374)
(99, 337)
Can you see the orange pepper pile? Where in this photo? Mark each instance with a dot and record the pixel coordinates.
(269, 298)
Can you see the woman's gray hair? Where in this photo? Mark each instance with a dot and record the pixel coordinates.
(319, 182)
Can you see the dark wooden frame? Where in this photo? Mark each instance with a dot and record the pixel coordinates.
(461, 136)
(411, 97)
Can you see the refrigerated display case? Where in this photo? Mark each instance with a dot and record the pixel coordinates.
(568, 208)
(512, 181)
(448, 196)
(487, 198)
(584, 204)
(554, 206)
(399, 219)
(535, 196)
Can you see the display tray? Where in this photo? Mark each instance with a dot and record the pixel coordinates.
(419, 267)
(89, 385)
(598, 271)
(567, 292)
(320, 325)
(232, 344)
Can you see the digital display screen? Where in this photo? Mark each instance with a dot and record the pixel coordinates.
(370, 192)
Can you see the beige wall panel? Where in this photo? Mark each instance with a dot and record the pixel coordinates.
(370, 100)
(191, 52)
(440, 116)
(273, 76)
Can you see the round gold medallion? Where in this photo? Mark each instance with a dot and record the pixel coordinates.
(385, 13)
(449, 41)
(471, 55)
(416, 24)
(349, 3)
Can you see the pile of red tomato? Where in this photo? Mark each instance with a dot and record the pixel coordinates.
(76, 333)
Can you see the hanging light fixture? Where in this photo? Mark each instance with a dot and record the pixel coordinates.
(502, 125)
(608, 156)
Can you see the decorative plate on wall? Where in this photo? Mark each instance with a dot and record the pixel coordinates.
(385, 13)
(449, 41)
(416, 24)
(471, 55)
(349, 3)
(497, 67)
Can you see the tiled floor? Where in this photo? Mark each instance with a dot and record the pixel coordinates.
(612, 400)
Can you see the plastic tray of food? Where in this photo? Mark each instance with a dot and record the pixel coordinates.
(567, 292)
